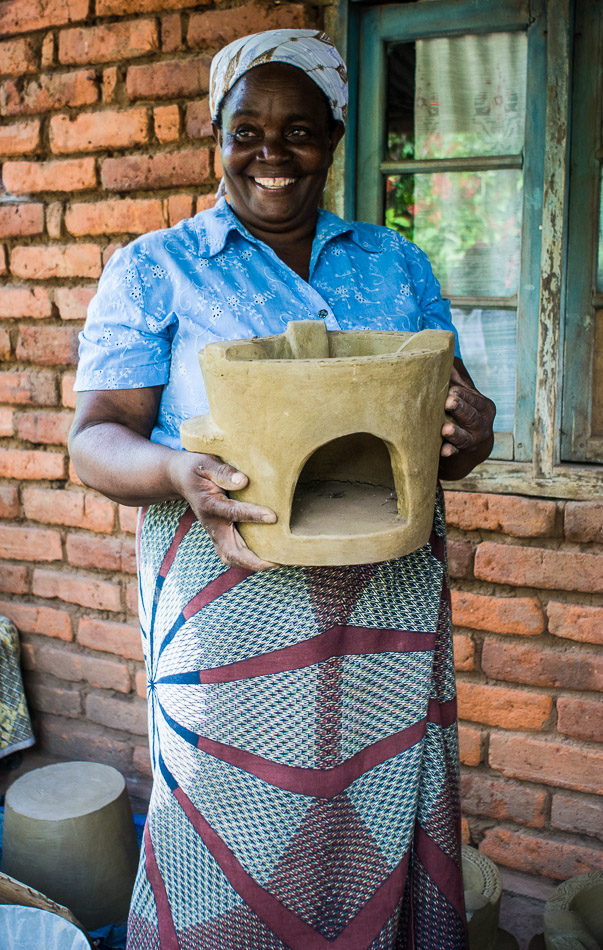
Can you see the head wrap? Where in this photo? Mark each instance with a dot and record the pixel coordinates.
(309, 50)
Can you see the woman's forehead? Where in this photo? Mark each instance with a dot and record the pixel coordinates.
(288, 84)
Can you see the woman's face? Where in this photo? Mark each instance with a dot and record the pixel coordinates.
(277, 145)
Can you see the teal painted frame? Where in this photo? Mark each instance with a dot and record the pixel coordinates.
(376, 26)
(577, 444)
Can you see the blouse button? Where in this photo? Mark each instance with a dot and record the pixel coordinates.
(323, 313)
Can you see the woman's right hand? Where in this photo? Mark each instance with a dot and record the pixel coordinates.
(111, 451)
(204, 480)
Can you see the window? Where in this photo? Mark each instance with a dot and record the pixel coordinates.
(463, 146)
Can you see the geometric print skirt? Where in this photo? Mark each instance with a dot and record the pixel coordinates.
(305, 751)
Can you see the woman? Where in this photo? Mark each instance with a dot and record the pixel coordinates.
(301, 799)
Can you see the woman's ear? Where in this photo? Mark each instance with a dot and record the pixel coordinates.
(217, 133)
(335, 135)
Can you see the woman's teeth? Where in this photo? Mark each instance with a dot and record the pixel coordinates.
(274, 183)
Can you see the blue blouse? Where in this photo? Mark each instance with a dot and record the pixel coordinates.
(169, 293)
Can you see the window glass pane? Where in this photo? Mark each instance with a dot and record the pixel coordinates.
(468, 224)
(488, 345)
(600, 243)
(459, 96)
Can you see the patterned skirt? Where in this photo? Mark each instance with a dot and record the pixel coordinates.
(305, 753)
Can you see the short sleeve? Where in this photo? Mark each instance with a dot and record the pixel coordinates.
(435, 311)
(126, 340)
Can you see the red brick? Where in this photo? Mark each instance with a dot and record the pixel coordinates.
(537, 854)
(170, 79)
(77, 589)
(132, 598)
(73, 301)
(49, 92)
(166, 120)
(29, 544)
(30, 618)
(215, 28)
(539, 567)
(18, 302)
(41, 262)
(120, 638)
(91, 131)
(72, 174)
(48, 345)
(136, 172)
(141, 759)
(208, 201)
(576, 622)
(2, 260)
(5, 345)
(20, 138)
(73, 476)
(73, 508)
(470, 744)
(464, 652)
(582, 816)
(21, 220)
(28, 387)
(123, 7)
(14, 579)
(198, 120)
(501, 706)
(179, 208)
(100, 672)
(67, 393)
(128, 518)
(84, 741)
(110, 81)
(460, 553)
(465, 831)
(46, 428)
(18, 57)
(124, 216)
(584, 521)
(54, 219)
(110, 250)
(47, 51)
(129, 715)
(43, 696)
(542, 666)
(171, 33)
(519, 517)
(7, 423)
(9, 502)
(580, 718)
(493, 797)
(110, 41)
(16, 17)
(521, 615)
(17, 463)
(536, 759)
(140, 683)
(108, 554)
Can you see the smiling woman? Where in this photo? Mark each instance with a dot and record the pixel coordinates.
(303, 719)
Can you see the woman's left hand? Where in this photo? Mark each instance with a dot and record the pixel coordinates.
(468, 438)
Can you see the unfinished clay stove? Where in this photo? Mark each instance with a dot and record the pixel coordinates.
(69, 833)
(337, 431)
(573, 914)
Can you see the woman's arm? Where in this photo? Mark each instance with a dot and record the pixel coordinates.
(469, 438)
(110, 448)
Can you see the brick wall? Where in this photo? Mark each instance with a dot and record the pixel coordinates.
(104, 135)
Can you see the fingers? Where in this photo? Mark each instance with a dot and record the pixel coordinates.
(221, 473)
(231, 548)
(215, 504)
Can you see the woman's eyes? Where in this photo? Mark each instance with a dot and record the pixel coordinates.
(296, 133)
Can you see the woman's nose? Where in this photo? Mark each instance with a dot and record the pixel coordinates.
(274, 149)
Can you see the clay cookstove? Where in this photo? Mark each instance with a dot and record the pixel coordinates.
(338, 432)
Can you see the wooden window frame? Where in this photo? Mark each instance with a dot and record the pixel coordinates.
(537, 468)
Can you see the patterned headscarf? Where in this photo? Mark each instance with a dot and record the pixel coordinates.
(309, 50)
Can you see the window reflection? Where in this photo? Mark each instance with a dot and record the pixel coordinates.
(488, 345)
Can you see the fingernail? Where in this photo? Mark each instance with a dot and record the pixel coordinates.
(238, 478)
(269, 519)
